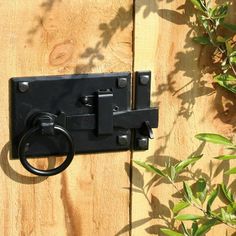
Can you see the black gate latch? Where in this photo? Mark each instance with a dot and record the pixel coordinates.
(58, 115)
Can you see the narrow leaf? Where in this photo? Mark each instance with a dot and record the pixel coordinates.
(229, 47)
(219, 11)
(231, 171)
(203, 40)
(183, 164)
(180, 206)
(227, 217)
(201, 189)
(199, 5)
(172, 173)
(226, 81)
(227, 193)
(226, 157)
(213, 138)
(188, 191)
(204, 228)
(169, 232)
(211, 199)
(231, 208)
(186, 233)
(150, 168)
(220, 39)
(194, 228)
(188, 217)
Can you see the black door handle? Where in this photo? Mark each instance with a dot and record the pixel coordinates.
(44, 124)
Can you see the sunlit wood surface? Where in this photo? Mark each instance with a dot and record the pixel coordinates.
(51, 37)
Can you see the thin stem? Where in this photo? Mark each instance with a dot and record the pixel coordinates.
(207, 214)
(233, 69)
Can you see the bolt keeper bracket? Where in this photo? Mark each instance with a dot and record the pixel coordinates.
(94, 111)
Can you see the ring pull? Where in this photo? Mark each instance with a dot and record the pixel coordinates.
(44, 123)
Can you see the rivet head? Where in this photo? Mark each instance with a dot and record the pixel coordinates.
(122, 82)
(85, 100)
(23, 86)
(123, 140)
(143, 143)
(144, 79)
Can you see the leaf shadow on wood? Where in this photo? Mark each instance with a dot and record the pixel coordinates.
(184, 61)
(14, 175)
(122, 19)
(157, 209)
(225, 105)
(46, 6)
(224, 101)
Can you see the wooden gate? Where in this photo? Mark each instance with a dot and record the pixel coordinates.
(93, 196)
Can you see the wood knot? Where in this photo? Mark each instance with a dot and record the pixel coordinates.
(61, 53)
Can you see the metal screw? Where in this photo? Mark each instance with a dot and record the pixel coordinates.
(144, 79)
(122, 82)
(23, 86)
(123, 140)
(143, 143)
(116, 108)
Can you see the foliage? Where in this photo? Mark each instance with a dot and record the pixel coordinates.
(199, 195)
(212, 21)
(218, 139)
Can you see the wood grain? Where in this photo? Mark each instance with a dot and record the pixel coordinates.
(48, 37)
(189, 103)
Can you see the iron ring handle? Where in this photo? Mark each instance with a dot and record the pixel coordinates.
(21, 152)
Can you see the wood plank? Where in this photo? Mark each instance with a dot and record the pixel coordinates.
(188, 105)
(49, 37)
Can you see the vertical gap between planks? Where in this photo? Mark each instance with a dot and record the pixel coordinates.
(132, 104)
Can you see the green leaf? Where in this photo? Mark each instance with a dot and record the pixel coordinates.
(219, 11)
(185, 231)
(203, 40)
(227, 193)
(231, 171)
(150, 168)
(220, 39)
(232, 57)
(211, 199)
(229, 218)
(183, 164)
(230, 26)
(213, 138)
(180, 206)
(201, 189)
(226, 81)
(194, 228)
(226, 157)
(169, 232)
(199, 5)
(172, 173)
(229, 47)
(188, 191)
(231, 208)
(204, 228)
(188, 217)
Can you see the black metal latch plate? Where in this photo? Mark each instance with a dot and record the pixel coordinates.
(94, 108)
